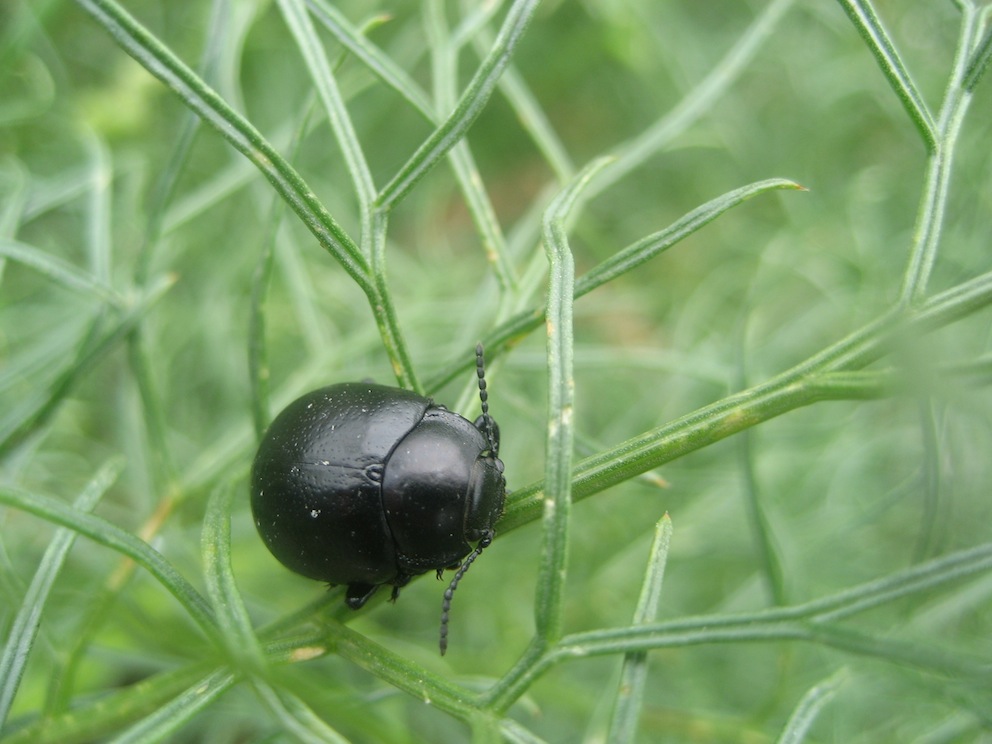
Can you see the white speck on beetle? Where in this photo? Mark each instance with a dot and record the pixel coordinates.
(315, 513)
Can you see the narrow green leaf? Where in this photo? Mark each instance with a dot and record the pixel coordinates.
(13, 202)
(258, 357)
(164, 723)
(201, 98)
(650, 246)
(378, 62)
(927, 658)
(235, 625)
(624, 260)
(395, 669)
(469, 107)
(811, 622)
(298, 19)
(792, 389)
(530, 114)
(515, 733)
(98, 240)
(930, 216)
(762, 531)
(22, 634)
(192, 204)
(99, 342)
(114, 710)
(444, 59)
(979, 61)
(297, 717)
(812, 617)
(373, 223)
(654, 574)
(46, 196)
(103, 532)
(483, 214)
(216, 40)
(633, 674)
(258, 360)
(866, 21)
(475, 17)
(384, 311)
(561, 388)
(637, 151)
(59, 271)
(809, 708)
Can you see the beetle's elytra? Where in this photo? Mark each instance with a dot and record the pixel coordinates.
(364, 485)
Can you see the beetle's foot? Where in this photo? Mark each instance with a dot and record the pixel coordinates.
(358, 594)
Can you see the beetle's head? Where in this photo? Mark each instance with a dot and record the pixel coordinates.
(485, 498)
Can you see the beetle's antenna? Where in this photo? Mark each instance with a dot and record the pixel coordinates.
(480, 370)
(450, 591)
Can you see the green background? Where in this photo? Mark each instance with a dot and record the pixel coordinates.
(105, 204)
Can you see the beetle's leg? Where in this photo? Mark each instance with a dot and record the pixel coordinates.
(358, 594)
(401, 580)
(440, 571)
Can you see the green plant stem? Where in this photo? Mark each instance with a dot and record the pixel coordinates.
(761, 530)
(469, 107)
(625, 260)
(118, 708)
(815, 622)
(105, 533)
(165, 722)
(929, 477)
(61, 272)
(383, 310)
(373, 221)
(549, 605)
(747, 631)
(529, 112)
(206, 103)
(99, 342)
(809, 708)
(936, 184)
(789, 390)
(209, 106)
(258, 355)
(395, 670)
(866, 21)
(979, 61)
(637, 151)
(297, 18)
(444, 65)
(469, 180)
(378, 63)
(237, 632)
(297, 718)
(633, 673)
(24, 629)
(215, 39)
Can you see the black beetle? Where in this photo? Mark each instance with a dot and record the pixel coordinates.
(365, 485)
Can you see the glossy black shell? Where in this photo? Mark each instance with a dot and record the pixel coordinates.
(364, 485)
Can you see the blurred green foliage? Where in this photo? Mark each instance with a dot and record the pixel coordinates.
(131, 339)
